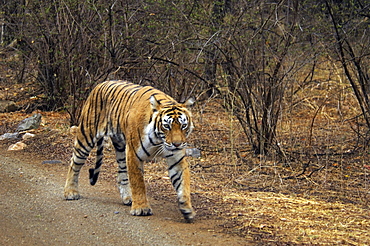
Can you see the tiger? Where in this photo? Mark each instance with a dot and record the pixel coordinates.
(142, 123)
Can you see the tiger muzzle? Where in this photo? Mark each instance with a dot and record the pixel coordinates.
(175, 146)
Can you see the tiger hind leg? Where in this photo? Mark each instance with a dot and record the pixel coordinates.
(122, 177)
(80, 153)
(94, 172)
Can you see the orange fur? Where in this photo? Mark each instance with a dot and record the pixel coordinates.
(143, 123)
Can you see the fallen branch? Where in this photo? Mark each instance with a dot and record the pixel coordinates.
(219, 164)
(305, 167)
(313, 171)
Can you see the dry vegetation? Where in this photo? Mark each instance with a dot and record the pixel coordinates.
(318, 194)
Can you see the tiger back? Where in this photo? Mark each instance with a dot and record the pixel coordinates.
(143, 123)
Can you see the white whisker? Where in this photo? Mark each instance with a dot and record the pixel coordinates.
(158, 151)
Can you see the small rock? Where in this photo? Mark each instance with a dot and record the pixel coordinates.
(194, 152)
(52, 162)
(9, 135)
(32, 122)
(28, 135)
(17, 146)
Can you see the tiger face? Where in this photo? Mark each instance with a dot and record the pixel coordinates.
(174, 124)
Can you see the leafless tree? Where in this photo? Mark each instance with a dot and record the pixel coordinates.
(246, 52)
(253, 44)
(350, 25)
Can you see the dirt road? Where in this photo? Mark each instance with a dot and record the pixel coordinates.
(33, 212)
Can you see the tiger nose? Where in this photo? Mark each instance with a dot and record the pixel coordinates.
(176, 144)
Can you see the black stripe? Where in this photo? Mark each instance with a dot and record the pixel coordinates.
(98, 163)
(177, 162)
(122, 170)
(125, 98)
(99, 151)
(150, 119)
(171, 114)
(184, 212)
(177, 186)
(168, 111)
(111, 87)
(164, 99)
(78, 164)
(97, 99)
(177, 179)
(132, 93)
(102, 102)
(154, 94)
(79, 157)
(121, 89)
(100, 141)
(149, 89)
(152, 142)
(142, 145)
(175, 174)
(85, 152)
(93, 177)
(84, 135)
(121, 97)
(117, 147)
(83, 155)
(76, 171)
(138, 156)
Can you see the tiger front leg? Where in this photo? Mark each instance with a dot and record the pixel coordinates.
(122, 177)
(123, 183)
(179, 174)
(124, 189)
(71, 186)
(140, 204)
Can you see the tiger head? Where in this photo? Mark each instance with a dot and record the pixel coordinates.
(173, 122)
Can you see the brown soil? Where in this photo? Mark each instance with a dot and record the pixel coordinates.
(33, 212)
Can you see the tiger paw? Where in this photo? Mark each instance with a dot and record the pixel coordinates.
(127, 200)
(125, 192)
(188, 214)
(146, 211)
(71, 195)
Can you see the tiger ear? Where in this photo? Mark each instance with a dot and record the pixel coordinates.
(154, 103)
(190, 102)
